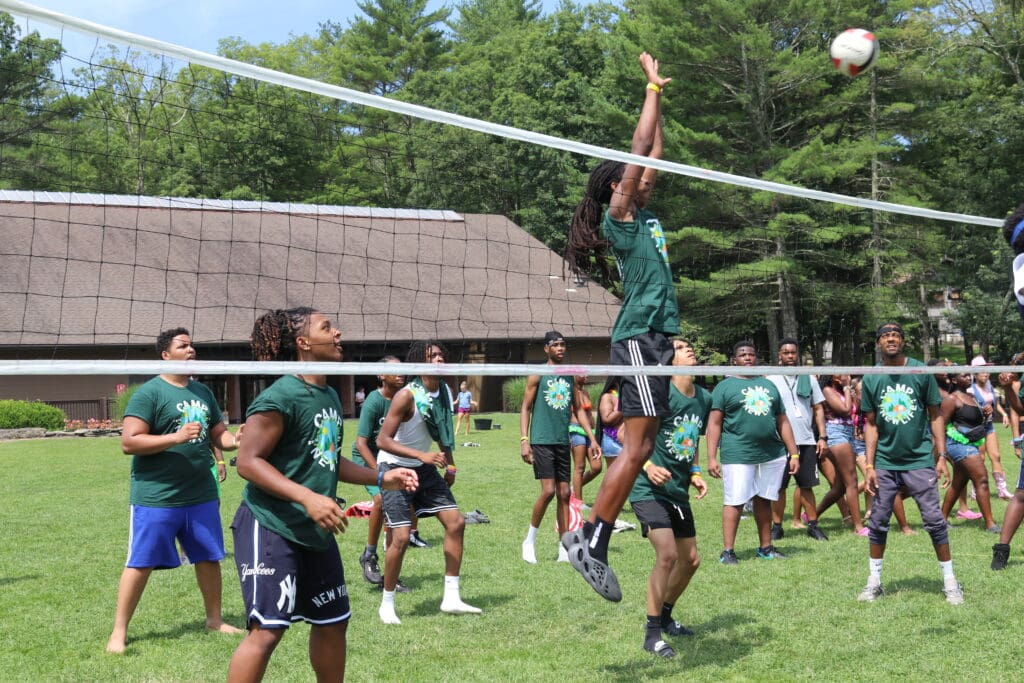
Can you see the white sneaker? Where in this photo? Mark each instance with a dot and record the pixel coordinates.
(621, 526)
(529, 553)
(872, 591)
(386, 612)
(563, 554)
(954, 593)
(456, 606)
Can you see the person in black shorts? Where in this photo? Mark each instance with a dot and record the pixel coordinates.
(287, 558)
(420, 416)
(661, 501)
(548, 404)
(648, 317)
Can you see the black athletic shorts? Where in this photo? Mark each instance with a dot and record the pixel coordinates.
(429, 498)
(643, 395)
(658, 514)
(282, 581)
(552, 462)
(807, 476)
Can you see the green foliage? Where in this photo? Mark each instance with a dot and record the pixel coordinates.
(121, 402)
(512, 391)
(22, 414)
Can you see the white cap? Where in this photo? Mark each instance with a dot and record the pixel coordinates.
(979, 360)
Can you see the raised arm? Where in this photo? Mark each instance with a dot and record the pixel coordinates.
(623, 198)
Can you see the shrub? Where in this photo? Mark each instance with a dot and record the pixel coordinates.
(121, 403)
(23, 414)
(512, 394)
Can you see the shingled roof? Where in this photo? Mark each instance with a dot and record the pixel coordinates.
(81, 269)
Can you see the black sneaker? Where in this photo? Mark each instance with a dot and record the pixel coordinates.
(402, 588)
(1000, 555)
(371, 568)
(777, 532)
(661, 649)
(417, 542)
(815, 532)
(595, 572)
(728, 557)
(674, 628)
(770, 553)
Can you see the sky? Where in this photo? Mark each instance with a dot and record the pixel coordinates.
(200, 24)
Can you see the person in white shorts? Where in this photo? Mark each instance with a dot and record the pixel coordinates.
(748, 424)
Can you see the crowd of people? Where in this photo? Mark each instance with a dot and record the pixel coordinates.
(886, 436)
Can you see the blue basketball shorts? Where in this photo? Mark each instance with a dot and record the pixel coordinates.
(152, 531)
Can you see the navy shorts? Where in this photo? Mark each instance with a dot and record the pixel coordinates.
(551, 462)
(658, 514)
(283, 581)
(643, 395)
(152, 531)
(432, 496)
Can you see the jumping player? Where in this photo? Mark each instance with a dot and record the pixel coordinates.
(640, 337)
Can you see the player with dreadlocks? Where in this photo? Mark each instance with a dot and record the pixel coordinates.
(287, 557)
(648, 318)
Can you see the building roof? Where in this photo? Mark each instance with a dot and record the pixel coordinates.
(86, 269)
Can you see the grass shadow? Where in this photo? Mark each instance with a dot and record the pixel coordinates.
(7, 580)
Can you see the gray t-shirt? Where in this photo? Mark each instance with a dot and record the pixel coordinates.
(799, 409)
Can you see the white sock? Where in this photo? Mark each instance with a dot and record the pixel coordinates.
(451, 588)
(386, 611)
(947, 570)
(875, 569)
(531, 535)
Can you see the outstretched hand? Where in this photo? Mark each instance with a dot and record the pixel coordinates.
(650, 67)
(400, 479)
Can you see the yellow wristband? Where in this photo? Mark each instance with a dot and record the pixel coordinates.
(655, 87)
(696, 475)
(220, 462)
(646, 465)
(524, 438)
(794, 455)
(869, 467)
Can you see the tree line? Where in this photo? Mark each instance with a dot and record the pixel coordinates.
(936, 123)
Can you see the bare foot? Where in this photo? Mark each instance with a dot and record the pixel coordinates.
(221, 627)
(797, 525)
(908, 532)
(115, 645)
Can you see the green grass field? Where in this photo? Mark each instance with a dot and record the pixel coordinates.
(63, 535)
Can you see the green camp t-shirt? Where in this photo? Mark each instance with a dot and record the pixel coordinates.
(649, 294)
(371, 419)
(552, 408)
(900, 404)
(307, 453)
(180, 475)
(675, 447)
(750, 409)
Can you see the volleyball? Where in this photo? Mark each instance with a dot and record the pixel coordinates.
(853, 51)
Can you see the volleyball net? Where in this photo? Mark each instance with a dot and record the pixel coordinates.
(147, 186)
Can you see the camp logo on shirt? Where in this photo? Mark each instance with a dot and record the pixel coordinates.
(658, 235)
(557, 394)
(898, 405)
(681, 440)
(757, 401)
(421, 398)
(194, 411)
(325, 444)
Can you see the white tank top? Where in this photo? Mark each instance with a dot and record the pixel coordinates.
(412, 433)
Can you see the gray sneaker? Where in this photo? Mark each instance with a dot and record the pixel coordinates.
(954, 594)
(871, 592)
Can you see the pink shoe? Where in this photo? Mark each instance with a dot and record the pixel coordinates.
(968, 514)
(803, 517)
(863, 532)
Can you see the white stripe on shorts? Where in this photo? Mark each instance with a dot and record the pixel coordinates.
(643, 384)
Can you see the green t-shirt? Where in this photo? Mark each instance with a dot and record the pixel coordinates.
(307, 453)
(552, 408)
(900, 404)
(750, 409)
(180, 475)
(675, 447)
(649, 294)
(375, 409)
